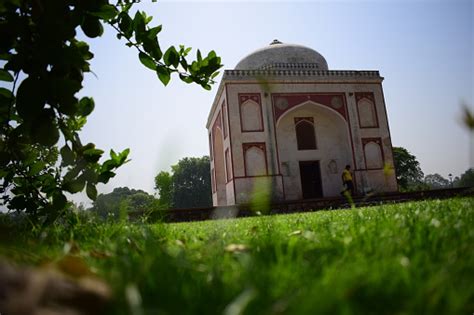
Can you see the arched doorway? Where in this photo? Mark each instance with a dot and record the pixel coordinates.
(319, 157)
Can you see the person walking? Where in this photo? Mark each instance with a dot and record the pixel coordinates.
(347, 180)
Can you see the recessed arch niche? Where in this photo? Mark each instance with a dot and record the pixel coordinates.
(373, 154)
(251, 116)
(333, 144)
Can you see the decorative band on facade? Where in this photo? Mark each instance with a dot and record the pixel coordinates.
(321, 73)
(290, 66)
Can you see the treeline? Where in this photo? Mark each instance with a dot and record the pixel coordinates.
(410, 177)
(188, 185)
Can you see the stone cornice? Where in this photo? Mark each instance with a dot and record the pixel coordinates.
(298, 66)
(310, 74)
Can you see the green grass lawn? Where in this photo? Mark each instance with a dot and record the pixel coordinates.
(409, 258)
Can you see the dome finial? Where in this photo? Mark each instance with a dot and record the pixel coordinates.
(275, 42)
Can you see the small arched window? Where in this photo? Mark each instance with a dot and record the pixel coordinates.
(305, 134)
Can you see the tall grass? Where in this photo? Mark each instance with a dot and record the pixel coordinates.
(411, 258)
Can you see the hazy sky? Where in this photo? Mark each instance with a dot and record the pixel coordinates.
(423, 49)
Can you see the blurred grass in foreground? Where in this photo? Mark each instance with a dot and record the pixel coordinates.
(409, 258)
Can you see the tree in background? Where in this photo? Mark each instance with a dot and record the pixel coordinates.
(436, 181)
(188, 186)
(43, 67)
(466, 179)
(409, 174)
(164, 187)
(122, 200)
(192, 183)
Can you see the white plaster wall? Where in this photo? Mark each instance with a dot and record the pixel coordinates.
(230, 193)
(245, 188)
(227, 190)
(380, 181)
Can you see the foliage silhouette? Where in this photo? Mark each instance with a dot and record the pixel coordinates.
(122, 199)
(43, 67)
(436, 181)
(188, 186)
(409, 174)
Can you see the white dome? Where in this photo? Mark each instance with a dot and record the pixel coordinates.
(280, 56)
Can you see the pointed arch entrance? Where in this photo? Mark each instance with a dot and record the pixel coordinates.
(313, 163)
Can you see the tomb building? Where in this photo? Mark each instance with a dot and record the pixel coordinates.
(281, 117)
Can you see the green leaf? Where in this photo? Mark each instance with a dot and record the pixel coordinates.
(171, 57)
(123, 156)
(6, 101)
(114, 156)
(152, 48)
(139, 26)
(147, 61)
(5, 76)
(92, 155)
(4, 158)
(92, 27)
(152, 32)
(72, 174)
(163, 74)
(106, 12)
(87, 147)
(30, 99)
(184, 64)
(36, 168)
(93, 152)
(44, 130)
(91, 191)
(108, 165)
(211, 54)
(186, 51)
(125, 24)
(6, 93)
(195, 68)
(90, 175)
(86, 106)
(18, 203)
(5, 56)
(186, 79)
(75, 186)
(468, 117)
(67, 155)
(62, 91)
(104, 177)
(59, 201)
(199, 57)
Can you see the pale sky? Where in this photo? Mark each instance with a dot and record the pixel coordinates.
(423, 49)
